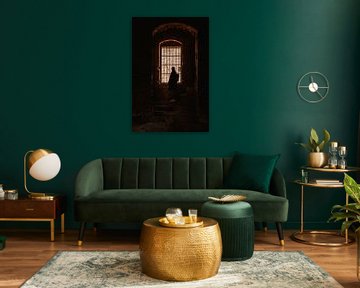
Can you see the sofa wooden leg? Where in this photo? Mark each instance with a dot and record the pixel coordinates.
(280, 233)
(95, 228)
(81, 233)
(265, 227)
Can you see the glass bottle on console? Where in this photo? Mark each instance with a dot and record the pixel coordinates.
(342, 154)
(333, 162)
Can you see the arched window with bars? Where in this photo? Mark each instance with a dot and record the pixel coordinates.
(170, 56)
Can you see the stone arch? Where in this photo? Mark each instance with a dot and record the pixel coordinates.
(188, 36)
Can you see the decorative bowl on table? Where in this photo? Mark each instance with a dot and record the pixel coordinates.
(228, 198)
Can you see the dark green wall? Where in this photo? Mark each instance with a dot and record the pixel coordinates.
(66, 85)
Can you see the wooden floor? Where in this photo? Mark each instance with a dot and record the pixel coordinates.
(28, 250)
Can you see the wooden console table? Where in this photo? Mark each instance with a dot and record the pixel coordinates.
(26, 209)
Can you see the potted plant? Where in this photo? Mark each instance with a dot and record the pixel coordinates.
(350, 214)
(317, 157)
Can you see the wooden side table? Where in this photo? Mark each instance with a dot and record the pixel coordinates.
(26, 209)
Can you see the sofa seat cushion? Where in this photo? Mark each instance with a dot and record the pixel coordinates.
(266, 207)
(166, 195)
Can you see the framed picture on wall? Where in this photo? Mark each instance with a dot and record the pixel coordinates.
(170, 74)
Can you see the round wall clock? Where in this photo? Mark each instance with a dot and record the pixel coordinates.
(313, 87)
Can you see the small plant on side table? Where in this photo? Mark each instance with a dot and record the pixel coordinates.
(317, 157)
(314, 144)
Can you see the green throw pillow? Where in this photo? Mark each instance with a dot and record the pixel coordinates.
(251, 172)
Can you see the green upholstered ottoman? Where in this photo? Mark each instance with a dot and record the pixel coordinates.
(236, 221)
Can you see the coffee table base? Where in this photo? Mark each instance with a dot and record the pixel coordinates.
(180, 254)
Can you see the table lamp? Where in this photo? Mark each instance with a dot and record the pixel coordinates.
(43, 165)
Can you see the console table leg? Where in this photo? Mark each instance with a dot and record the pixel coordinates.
(52, 230)
(346, 230)
(63, 223)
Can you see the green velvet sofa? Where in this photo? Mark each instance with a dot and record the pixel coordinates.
(130, 190)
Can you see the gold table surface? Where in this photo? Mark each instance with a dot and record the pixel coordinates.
(154, 222)
(180, 254)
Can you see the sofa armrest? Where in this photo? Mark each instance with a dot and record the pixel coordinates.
(89, 179)
(277, 184)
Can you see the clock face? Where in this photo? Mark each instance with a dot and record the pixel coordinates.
(313, 87)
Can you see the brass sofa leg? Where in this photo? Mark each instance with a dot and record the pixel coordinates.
(265, 227)
(81, 233)
(280, 233)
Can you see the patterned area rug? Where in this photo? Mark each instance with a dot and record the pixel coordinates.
(122, 269)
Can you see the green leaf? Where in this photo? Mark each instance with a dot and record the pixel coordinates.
(314, 135)
(326, 136)
(321, 146)
(336, 216)
(312, 144)
(350, 207)
(306, 146)
(352, 188)
(353, 210)
(346, 225)
(345, 213)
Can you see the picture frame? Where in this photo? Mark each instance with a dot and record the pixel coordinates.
(170, 74)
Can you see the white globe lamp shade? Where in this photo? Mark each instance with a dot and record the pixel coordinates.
(44, 164)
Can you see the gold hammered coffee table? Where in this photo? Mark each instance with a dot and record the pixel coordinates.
(180, 254)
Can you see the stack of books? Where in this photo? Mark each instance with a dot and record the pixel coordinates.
(327, 181)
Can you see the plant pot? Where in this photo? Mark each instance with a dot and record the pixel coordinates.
(317, 159)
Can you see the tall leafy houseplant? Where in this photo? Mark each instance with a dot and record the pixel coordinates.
(349, 214)
(317, 157)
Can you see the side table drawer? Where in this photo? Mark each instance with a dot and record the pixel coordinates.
(31, 209)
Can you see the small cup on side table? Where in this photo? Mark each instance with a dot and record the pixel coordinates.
(304, 176)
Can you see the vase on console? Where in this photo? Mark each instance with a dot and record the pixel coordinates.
(317, 159)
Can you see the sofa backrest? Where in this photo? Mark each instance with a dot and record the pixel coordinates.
(165, 173)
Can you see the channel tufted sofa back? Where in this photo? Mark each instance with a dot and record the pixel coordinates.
(164, 173)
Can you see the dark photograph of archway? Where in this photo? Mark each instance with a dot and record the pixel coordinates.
(170, 74)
